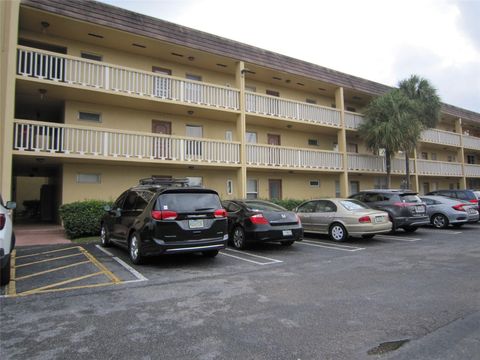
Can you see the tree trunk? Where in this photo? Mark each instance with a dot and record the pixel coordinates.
(388, 164)
(407, 169)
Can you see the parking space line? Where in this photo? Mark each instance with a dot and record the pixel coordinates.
(48, 252)
(247, 260)
(12, 286)
(52, 270)
(101, 267)
(450, 232)
(396, 238)
(254, 255)
(130, 269)
(60, 283)
(331, 246)
(46, 260)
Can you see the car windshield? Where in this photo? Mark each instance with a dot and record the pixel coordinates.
(353, 205)
(188, 202)
(260, 205)
(410, 198)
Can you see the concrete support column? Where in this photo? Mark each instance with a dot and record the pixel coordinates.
(461, 153)
(342, 142)
(9, 11)
(416, 184)
(241, 131)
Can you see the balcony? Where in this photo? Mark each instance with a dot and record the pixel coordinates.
(439, 168)
(471, 142)
(289, 109)
(75, 141)
(353, 120)
(441, 137)
(66, 69)
(472, 170)
(283, 157)
(376, 164)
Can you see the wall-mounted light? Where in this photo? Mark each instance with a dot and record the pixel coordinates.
(289, 126)
(45, 25)
(43, 93)
(190, 112)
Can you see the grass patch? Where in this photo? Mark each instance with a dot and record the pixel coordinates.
(86, 240)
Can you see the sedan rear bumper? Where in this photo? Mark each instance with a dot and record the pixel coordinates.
(274, 235)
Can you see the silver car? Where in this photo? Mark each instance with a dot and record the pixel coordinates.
(445, 211)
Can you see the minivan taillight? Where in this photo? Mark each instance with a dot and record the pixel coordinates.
(459, 207)
(164, 215)
(219, 213)
(2, 221)
(258, 219)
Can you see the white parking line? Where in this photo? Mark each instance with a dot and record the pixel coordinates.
(245, 254)
(451, 232)
(396, 238)
(330, 246)
(130, 269)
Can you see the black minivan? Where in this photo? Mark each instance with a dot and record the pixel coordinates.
(165, 216)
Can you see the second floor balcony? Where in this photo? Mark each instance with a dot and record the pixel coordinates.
(33, 137)
(376, 164)
(59, 68)
(439, 168)
(471, 142)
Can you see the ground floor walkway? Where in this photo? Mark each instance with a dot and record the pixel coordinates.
(39, 234)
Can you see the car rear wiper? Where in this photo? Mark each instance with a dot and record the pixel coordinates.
(203, 209)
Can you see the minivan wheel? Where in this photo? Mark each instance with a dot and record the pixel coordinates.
(104, 238)
(5, 277)
(210, 253)
(337, 232)
(238, 238)
(134, 249)
(440, 221)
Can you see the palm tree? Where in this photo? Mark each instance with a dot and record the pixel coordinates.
(425, 109)
(388, 126)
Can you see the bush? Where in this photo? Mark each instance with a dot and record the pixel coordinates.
(288, 204)
(82, 218)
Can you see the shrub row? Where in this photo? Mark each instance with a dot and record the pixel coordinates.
(82, 218)
(288, 204)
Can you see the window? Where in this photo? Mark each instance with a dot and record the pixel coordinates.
(352, 148)
(272, 93)
(352, 109)
(91, 56)
(162, 85)
(130, 201)
(88, 116)
(335, 146)
(380, 182)
(160, 70)
(310, 101)
(229, 187)
(119, 202)
(314, 183)
(143, 199)
(337, 188)
(251, 137)
(193, 148)
(470, 159)
(433, 156)
(252, 189)
(193, 77)
(326, 206)
(195, 131)
(451, 158)
(308, 207)
(230, 207)
(313, 142)
(424, 155)
(229, 135)
(195, 180)
(88, 178)
(250, 88)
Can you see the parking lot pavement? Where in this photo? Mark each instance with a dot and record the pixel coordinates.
(314, 300)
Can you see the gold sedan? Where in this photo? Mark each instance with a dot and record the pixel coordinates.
(341, 218)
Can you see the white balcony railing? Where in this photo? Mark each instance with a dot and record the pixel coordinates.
(472, 170)
(41, 137)
(471, 142)
(71, 70)
(373, 163)
(289, 109)
(353, 120)
(429, 167)
(441, 137)
(268, 155)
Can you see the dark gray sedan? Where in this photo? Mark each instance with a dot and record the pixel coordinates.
(444, 211)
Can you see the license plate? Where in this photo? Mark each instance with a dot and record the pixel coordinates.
(379, 219)
(287, 232)
(419, 209)
(472, 211)
(195, 224)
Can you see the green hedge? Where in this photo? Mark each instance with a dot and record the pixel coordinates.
(288, 204)
(82, 218)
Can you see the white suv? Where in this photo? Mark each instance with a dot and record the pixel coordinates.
(7, 240)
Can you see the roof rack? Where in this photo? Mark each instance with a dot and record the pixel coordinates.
(162, 181)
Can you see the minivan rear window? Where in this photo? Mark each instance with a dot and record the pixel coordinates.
(188, 202)
(410, 199)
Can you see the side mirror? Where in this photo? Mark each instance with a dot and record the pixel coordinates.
(107, 208)
(295, 209)
(118, 212)
(11, 205)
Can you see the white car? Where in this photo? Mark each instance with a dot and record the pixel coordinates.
(7, 240)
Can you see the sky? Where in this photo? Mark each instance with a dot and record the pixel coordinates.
(379, 40)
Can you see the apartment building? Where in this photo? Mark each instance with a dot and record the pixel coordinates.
(95, 97)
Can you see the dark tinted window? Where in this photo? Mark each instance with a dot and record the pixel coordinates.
(308, 207)
(428, 201)
(119, 202)
(143, 199)
(230, 207)
(465, 195)
(326, 206)
(261, 205)
(129, 203)
(358, 197)
(188, 202)
(410, 198)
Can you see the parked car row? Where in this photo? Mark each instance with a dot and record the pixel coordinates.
(164, 216)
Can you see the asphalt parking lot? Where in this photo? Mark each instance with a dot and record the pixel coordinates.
(401, 296)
